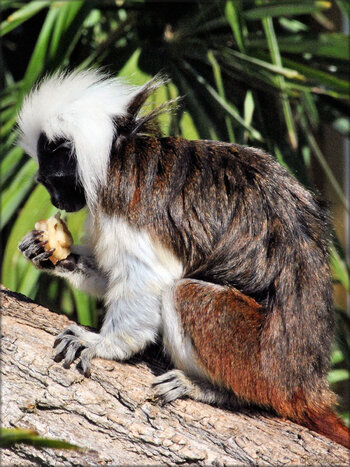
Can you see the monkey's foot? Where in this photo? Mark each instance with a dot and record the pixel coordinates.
(175, 384)
(76, 342)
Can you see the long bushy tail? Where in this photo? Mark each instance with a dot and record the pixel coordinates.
(321, 419)
(327, 423)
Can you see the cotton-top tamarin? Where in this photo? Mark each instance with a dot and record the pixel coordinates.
(213, 246)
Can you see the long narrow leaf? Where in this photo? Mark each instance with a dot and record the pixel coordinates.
(232, 13)
(340, 270)
(287, 72)
(16, 192)
(10, 163)
(22, 15)
(67, 30)
(286, 9)
(14, 266)
(276, 59)
(227, 107)
(331, 45)
(220, 87)
(202, 119)
(323, 162)
(86, 314)
(11, 436)
(344, 6)
(39, 55)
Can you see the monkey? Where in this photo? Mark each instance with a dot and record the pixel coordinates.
(212, 246)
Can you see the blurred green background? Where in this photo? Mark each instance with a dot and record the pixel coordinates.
(269, 74)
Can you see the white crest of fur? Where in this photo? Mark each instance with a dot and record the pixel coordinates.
(79, 106)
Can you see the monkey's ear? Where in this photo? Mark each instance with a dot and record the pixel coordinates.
(143, 94)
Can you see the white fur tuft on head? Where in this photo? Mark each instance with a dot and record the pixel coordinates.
(79, 106)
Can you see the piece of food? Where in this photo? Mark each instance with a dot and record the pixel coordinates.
(57, 235)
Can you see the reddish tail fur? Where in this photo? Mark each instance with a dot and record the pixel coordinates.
(325, 422)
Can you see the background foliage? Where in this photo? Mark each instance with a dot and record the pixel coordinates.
(262, 73)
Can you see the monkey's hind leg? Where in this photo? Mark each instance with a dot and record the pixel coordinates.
(211, 333)
(175, 384)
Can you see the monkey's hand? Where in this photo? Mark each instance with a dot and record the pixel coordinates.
(32, 247)
(79, 267)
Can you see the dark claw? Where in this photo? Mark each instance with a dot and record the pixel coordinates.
(42, 243)
(72, 353)
(84, 367)
(58, 357)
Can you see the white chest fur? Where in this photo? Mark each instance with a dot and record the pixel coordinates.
(133, 259)
(138, 271)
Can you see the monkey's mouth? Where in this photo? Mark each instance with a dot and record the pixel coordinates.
(68, 206)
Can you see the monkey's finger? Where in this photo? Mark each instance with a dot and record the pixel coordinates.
(37, 232)
(72, 353)
(60, 337)
(29, 239)
(168, 376)
(41, 260)
(61, 349)
(84, 364)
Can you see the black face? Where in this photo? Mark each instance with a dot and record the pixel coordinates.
(58, 173)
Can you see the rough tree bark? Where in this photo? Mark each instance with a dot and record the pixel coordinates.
(115, 417)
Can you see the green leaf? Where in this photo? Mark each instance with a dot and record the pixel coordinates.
(13, 196)
(188, 128)
(38, 59)
(344, 6)
(311, 109)
(220, 87)
(338, 375)
(11, 436)
(201, 118)
(228, 107)
(21, 15)
(15, 268)
(287, 72)
(273, 46)
(131, 70)
(233, 16)
(339, 269)
(337, 357)
(85, 309)
(76, 224)
(9, 163)
(331, 45)
(323, 162)
(320, 77)
(286, 9)
(292, 25)
(67, 30)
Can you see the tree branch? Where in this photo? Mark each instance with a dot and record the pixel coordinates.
(114, 416)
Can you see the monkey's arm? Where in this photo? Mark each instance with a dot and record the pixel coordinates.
(79, 268)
